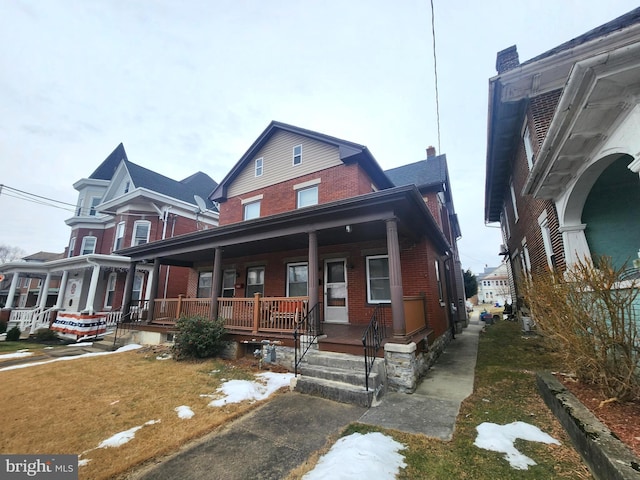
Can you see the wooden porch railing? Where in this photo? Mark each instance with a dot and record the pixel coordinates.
(257, 314)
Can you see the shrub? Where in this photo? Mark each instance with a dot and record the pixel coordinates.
(3, 327)
(198, 337)
(46, 335)
(13, 335)
(591, 312)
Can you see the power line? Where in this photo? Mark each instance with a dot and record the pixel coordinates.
(34, 195)
(435, 72)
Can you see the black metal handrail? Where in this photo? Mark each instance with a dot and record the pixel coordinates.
(306, 334)
(134, 317)
(372, 340)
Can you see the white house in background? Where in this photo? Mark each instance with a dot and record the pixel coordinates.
(493, 286)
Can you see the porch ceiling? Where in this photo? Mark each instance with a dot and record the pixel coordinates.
(600, 93)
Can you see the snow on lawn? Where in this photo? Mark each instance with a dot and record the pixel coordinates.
(500, 438)
(17, 354)
(121, 438)
(373, 455)
(126, 348)
(184, 412)
(236, 391)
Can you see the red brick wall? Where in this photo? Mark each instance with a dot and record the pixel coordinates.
(539, 115)
(336, 183)
(418, 276)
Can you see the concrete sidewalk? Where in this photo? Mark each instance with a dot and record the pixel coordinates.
(277, 437)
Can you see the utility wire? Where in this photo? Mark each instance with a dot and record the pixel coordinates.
(34, 195)
(435, 71)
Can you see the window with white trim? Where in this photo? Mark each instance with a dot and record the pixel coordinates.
(79, 207)
(72, 246)
(439, 281)
(297, 155)
(526, 260)
(136, 293)
(378, 285)
(255, 281)
(88, 245)
(543, 222)
(505, 225)
(119, 240)
(229, 283)
(528, 146)
(259, 166)
(305, 197)
(204, 284)
(252, 210)
(297, 279)
(513, 201)
(95, 201)
(141, 231)
(111, 290)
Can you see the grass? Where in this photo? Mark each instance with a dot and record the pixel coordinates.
(70, 407)
(505, 391)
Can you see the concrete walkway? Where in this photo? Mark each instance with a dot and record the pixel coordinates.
(277, 437)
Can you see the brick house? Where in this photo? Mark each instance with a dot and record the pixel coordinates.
(313, 234)
(563, 151)
(119, 205)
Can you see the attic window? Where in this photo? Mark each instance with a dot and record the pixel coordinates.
(126, 187)
(297, 155)
(259, 166)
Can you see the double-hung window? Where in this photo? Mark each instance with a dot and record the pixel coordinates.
(307, 196)
(204, 284)
(297, 155)
(111, 290)
(95, 201)
(88, 245)
(255, 281)
(119, 240)
(72, 246)
(252, 210)
(259, 166)
(439, 281)
(297, 279)
(229, 283)
(141, 229)
(528, 146)
(378, 286)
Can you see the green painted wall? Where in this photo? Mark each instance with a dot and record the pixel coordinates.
(612, 214)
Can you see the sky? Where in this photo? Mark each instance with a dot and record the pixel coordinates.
(188, 86)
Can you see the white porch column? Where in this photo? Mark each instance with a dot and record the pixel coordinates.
(150, 278)
(44, 292)
(62, 289)
(575, 243)
(93, 287)
(12, 290)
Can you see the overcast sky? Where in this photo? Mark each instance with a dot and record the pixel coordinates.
(189, 85)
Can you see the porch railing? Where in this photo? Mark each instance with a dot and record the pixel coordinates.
(256, 314)
(372, 340)
(306, 335)
(30, 320)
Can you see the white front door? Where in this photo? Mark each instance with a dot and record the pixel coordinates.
(335, 291)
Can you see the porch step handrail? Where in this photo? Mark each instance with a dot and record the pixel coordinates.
(372, 339)
(306, 334)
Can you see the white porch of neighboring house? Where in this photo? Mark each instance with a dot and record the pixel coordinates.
(79, 310)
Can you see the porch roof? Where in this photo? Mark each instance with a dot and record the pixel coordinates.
(70, 263)
(289, 231)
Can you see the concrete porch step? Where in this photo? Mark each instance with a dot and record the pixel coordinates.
(352, 377)
(336, 391)
(335, 360)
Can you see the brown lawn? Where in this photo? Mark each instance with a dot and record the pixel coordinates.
(70, 407)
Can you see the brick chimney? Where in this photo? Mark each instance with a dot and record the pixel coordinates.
(431, 151)
(507, 59)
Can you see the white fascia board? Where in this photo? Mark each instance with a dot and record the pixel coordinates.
(90, 182)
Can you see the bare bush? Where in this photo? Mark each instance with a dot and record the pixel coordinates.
(591, 312)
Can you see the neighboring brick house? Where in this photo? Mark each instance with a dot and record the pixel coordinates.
(311, 226)
(563, 151)
(120, 204)
(29, 290)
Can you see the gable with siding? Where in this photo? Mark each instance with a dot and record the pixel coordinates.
(277, 158)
